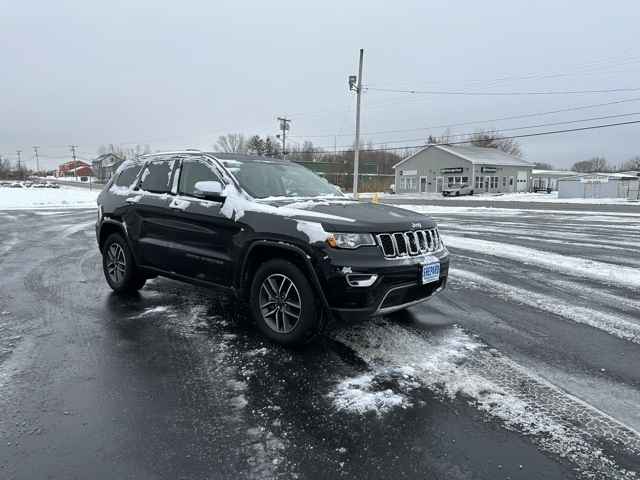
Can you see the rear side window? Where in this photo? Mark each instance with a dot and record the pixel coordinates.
(194, 171)
(128, 175)
(156, 177)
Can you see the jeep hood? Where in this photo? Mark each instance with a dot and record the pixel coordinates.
(356, 216)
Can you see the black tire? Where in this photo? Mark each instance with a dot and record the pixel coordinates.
(122, 276)
(287, 331)
(471, 192)
(457, 193)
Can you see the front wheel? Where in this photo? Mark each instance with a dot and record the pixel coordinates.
(119, 266)
(283, 303)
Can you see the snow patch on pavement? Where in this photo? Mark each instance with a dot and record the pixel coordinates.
(455, 365)
(626, 328)
(373, 393)
(574, 266)
(152, 311)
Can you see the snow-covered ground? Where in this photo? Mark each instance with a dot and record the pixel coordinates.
(507, 197)
(36, 198)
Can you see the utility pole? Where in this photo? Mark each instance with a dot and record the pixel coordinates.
(284, 126)
(355, 83)
(35, 150)
(75, 166)
(19, 152)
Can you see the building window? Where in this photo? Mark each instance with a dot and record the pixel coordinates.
(465, 180)
(478, 182)
(409, 184)
(511, 181)
(504, 181)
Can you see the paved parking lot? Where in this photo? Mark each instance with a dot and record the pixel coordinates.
(525, 367)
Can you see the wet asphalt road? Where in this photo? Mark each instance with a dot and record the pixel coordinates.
(521, 369)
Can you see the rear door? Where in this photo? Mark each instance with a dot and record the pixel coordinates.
(149, 213)
(203, 236)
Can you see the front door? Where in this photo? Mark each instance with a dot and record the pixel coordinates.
(423, 184)
(439, 182)
(487, 182)
(203, 236)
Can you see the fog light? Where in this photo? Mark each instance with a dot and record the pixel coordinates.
(361, 279)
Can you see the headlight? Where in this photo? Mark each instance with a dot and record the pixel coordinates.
(350, 240)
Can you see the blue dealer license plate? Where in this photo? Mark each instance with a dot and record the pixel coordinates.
(430, 273)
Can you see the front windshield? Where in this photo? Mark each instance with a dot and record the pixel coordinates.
(262, 179)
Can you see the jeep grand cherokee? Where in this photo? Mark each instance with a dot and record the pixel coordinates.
(273, 233)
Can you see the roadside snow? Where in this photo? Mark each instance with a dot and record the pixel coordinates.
(512, 212)
(506, 197)
(574, 266)
(36, 198)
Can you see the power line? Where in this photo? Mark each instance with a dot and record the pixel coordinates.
(551, 124)
(463, 92)
(525, 135)
(460, 124)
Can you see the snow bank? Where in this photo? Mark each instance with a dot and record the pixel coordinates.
(35, 198)
(574, 266)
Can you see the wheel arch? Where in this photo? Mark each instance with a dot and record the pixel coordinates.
(111, 226)
(263, 250)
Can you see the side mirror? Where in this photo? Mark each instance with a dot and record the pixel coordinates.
(210, 190)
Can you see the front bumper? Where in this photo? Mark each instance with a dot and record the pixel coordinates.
(398, 284)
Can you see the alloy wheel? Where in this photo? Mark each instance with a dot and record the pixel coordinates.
(280, 303)
(116, 263)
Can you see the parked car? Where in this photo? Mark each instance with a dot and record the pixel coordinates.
(271, 232)
(537, 189)
(5, 184)
(52, 185)
(457, 190)
(16, 185)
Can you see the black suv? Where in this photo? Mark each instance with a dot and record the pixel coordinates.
(270, 231)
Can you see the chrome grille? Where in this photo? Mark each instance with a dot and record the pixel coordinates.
(404, 244)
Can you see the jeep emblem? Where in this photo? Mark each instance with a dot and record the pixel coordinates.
(416, 225)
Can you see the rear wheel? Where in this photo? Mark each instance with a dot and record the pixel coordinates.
(283, 303)
(119, 267)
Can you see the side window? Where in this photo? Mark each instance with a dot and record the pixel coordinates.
(128, 175)
(156, 177)
(194, 171)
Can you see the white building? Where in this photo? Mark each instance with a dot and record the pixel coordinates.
(599, 185)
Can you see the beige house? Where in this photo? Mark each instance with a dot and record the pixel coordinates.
(435, 167)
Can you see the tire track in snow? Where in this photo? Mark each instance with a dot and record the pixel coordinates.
(626, 328)
(574, 266)
(455, 365)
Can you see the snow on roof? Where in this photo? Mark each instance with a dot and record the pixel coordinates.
(476, 155)
(553, 173)
(620, 176)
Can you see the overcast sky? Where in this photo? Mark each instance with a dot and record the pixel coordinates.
(178, 74)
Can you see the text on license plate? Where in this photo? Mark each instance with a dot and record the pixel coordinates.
(430, 273)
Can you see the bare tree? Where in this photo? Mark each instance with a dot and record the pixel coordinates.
(493, 139)
(543, 166)
(232, 143)
(5, 167)
(595, 164)
(632, 163)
